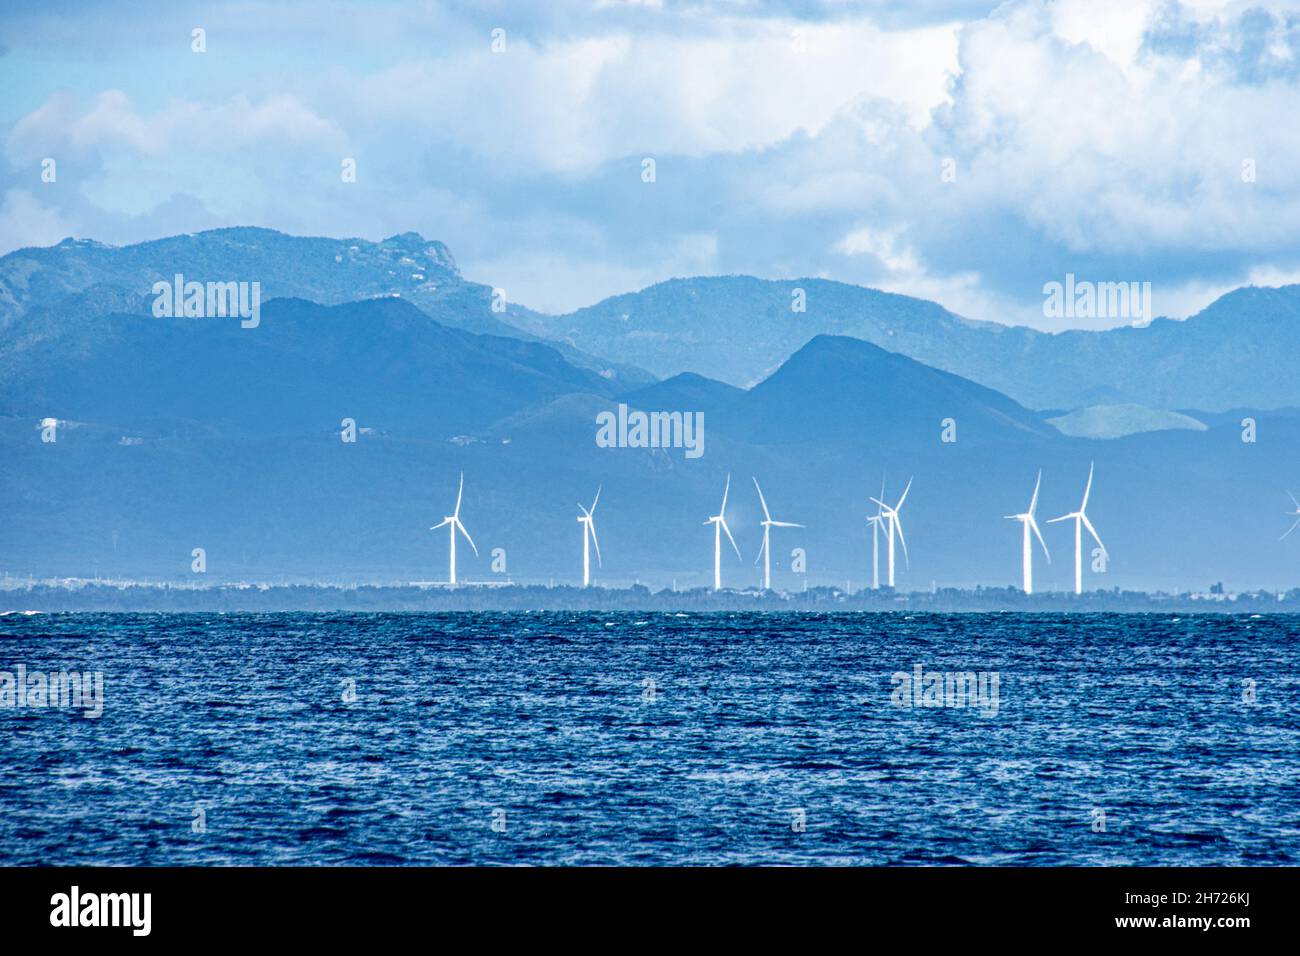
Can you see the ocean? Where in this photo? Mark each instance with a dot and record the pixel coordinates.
(650, 739)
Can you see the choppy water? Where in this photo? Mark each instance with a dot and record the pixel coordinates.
(551, 719)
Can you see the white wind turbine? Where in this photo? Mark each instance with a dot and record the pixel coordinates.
(876, 520)
(1080, 522)
(1027, 519)
(452, 522)
(588, 522)
(1290, 513)
(719, 522)
(765, 552)
(895, 528)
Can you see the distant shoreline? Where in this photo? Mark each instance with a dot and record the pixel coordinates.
(287, 598)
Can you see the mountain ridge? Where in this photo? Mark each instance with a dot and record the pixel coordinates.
(178, 434)
(735, 329)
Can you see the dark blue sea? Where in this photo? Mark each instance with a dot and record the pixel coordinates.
(729, 738)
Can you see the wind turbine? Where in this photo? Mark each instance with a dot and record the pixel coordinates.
(452, 521)
(765, 552)
(895, 528)
(1080, 522)
(1027, 519)
(1290, 513)
(876, 520)
(719, 522)
(589, 538)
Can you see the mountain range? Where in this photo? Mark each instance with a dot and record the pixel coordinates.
(735, 329)
(179, 433)
(738, 329)
(84, 278)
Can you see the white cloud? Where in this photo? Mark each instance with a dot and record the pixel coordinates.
(557, 282)
(571, 105)
(26, 221)
(113, 124)
(1089, 136)
(885, 245)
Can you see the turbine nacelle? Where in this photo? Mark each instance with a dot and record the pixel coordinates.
(768, 523)
(1080, 519)
(890, 514)
(1081, 515)
(1029, 521)
(720, 519)
(588, 521)
(453, 519)
(453, 524)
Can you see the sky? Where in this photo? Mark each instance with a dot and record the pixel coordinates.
(958, 150)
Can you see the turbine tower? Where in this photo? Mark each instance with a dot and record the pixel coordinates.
(1027, 519)
(895, 528)
(1080, 522)
(452, 521)
(589, 538)
(719, 522)
(1289, 514)
(876, 520)
(765, 552)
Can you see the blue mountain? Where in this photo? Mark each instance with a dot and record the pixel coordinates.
(739, 329)
(300, 372)
(47, 287)
(732, 329)
(179, 434)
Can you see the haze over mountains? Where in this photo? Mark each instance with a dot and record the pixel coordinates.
(84, 277)
(735, 329)
(738, 329)
(184, 433)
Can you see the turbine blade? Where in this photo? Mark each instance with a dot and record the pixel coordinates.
(444, 521)
(591, 526)
(460, 491)
(1087, 489)
(1293, 501)
(761, 548)
(884, 508)
(585, 512)
(467, 537)
(1034, 524)
(766, 514)
(1062, 518)
(898, 526)
(597, 499)
(725, 488)
(1290, 529)
(730, 538)
(1033, 502)
(904, 497)
(1093, 531)
(784, 524)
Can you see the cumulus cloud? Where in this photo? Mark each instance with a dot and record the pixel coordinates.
(1115, 139)
(26, 221)
(571, 105)
(113, 124)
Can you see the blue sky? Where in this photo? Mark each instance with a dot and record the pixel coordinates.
(1101, 138)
